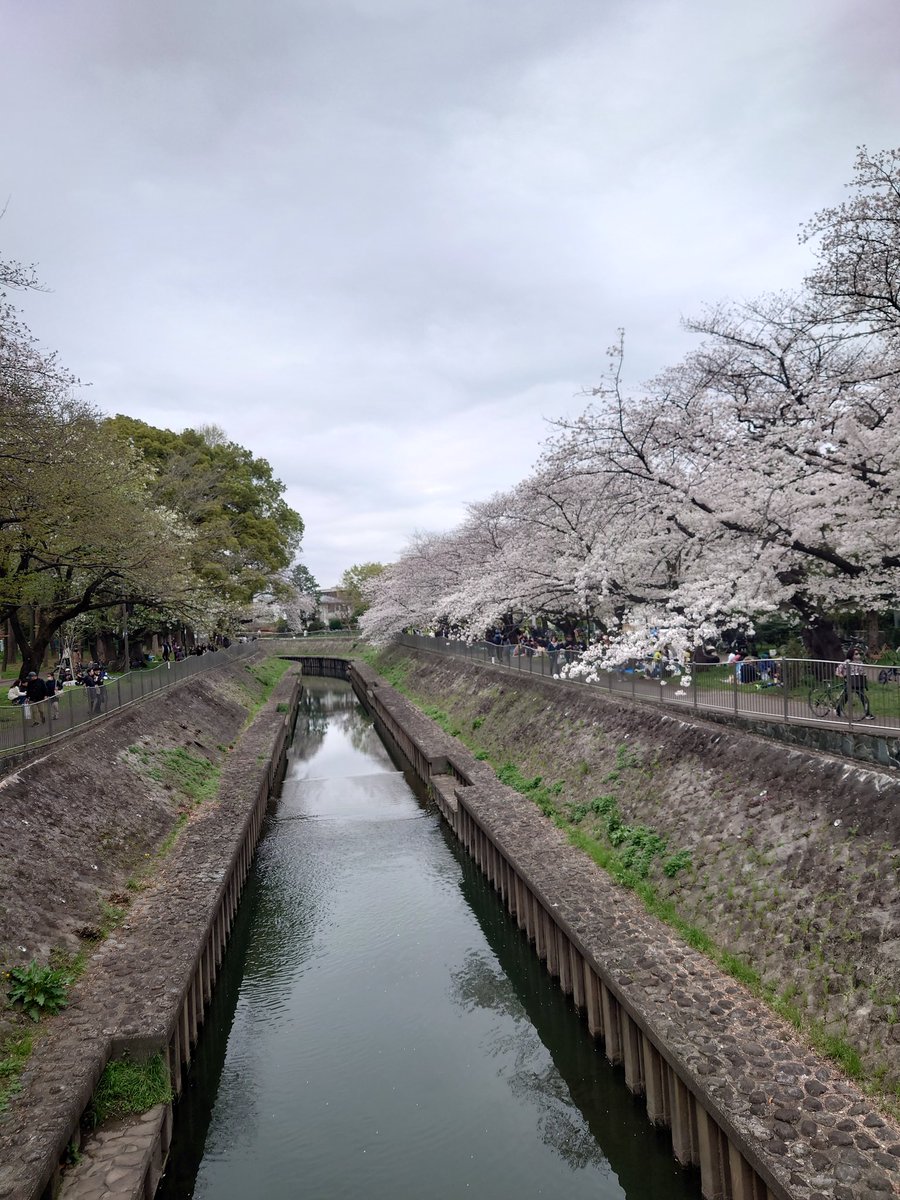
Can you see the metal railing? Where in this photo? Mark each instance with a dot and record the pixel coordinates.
(789, 690)
(31, 724)
(305, 637)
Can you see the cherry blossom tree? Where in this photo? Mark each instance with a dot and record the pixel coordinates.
(758, 475)
(858, 247)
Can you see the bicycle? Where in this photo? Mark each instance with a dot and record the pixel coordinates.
(826, 695)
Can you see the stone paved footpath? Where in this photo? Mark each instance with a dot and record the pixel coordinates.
(814, 1132)
(123, 1161)
(807, 1131)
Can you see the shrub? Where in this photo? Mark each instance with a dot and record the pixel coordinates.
(678, 862)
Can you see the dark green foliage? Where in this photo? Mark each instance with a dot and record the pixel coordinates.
(637, 846)
(535, 789)
(678, 862)
(244, 534)
(38, 990)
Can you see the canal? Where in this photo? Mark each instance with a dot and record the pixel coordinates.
(381, 1027)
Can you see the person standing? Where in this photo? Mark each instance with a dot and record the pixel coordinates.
(52, 696)
(853, 672)
(92, 687)
(36, 692)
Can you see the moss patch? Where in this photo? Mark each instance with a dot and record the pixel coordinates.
(15, 1050)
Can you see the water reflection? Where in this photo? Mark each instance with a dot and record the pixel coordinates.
(638, 1154)
(392, 1034)
(534, 1079)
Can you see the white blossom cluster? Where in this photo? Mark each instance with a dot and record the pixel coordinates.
(761, 474)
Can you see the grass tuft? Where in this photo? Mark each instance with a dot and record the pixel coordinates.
(15, 1050)
(128, 1087)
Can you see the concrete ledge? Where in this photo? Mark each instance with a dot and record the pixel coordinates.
(149, 983)
(123, 1161)
(746, 1100)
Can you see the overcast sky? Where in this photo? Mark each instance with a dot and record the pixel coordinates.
(380, 242)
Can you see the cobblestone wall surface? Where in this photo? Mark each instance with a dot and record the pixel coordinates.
(794, 859)
(808, 1132)
(130, 998)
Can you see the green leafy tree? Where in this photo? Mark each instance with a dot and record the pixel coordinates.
(244, 533)
(355, 583)
(79, 531)
(304, 581)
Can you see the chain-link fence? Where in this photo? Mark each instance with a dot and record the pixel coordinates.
(29, 724)
(791, 690)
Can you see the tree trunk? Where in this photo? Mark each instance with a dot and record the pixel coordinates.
(873, 634)
(821, 639)
(33, 650)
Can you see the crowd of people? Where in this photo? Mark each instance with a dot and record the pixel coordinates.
(39, 695)
(762, 670)
(516, 643)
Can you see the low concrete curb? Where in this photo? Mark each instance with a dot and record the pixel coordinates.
(746, 1100)
(122, 1161)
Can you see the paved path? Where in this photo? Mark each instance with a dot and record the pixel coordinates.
(767, 704)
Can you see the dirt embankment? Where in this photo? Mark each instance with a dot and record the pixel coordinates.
(790, 859)
(81, 826)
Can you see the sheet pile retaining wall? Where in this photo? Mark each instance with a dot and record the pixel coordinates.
(753, 1109)
(746, 1102)
(146, 992)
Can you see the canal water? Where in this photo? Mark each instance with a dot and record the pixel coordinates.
(382, 1028)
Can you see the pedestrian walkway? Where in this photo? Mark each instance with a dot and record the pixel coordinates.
(808, 698)
(26, 725)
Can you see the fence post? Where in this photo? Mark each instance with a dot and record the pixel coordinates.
(785, 690)
(848, 687)
(734, 685)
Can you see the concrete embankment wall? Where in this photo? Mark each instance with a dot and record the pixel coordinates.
(147, 986)
(745, 1100)
(793, 855)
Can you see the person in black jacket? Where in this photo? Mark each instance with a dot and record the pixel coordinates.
(36, 691)
(50, 687)
(93, 682)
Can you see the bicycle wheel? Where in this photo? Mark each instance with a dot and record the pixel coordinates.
(821, 701)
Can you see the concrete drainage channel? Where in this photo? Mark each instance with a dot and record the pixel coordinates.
(746, 1103)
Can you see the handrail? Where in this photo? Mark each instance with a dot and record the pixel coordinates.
(30, 724)
(791, 691)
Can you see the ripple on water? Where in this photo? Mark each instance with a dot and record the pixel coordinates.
(392, 1035)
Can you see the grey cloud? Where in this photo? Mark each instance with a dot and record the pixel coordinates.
(380, 240)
